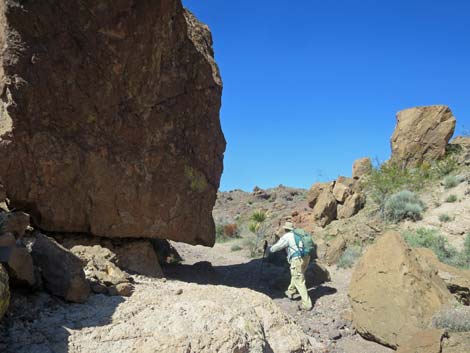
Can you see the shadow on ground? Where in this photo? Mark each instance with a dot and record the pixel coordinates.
(40, 323)
(257, 274)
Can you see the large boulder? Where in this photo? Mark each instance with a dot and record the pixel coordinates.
(61, 271)
(110, 117)
(392, 294)
(4, 291)
(316, 190)
(325, 209)
(421, 134)
(361, 167)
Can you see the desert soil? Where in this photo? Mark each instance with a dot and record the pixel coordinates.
(39, 323)
(328, 322)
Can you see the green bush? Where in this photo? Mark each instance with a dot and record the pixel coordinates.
(258, 216)
(451, 198)
(445, 166)
(454, 319)
(431, 239)
(235, 248)
(349, 257)
(452, 181)
(444, 217)
(403, 204)
(464, 260)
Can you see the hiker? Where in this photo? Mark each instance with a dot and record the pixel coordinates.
(298, 261)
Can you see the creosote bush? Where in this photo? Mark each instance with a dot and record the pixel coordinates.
(446, 253)
(388, 178)
(402, 205)
(349, 257)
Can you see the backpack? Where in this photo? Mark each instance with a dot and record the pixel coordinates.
(304, 243)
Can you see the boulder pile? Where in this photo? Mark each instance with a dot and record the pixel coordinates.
(339, 199)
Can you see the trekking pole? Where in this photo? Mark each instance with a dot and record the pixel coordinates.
(265, 246)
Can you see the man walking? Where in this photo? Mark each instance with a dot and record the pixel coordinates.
(298, 265)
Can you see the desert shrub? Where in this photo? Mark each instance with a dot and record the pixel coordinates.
(445, 166)
(226, 232)
(231, 230)
(235, 248)
(349, 257)
(451, 198)
(464, 259)
(452, 181)
(454, 319)
(444, 217)
(431, 239)
(403, 204)
(258, 216)
(258, 227)
(389, 178)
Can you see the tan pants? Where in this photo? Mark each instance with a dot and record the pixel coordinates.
(298, 267)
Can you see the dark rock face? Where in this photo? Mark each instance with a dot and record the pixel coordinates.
(109, 122)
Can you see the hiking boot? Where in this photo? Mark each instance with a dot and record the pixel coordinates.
(304, 308)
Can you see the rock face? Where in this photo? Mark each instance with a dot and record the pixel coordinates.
(4, 291)
(110, 116)
(421, 134)
(393, 296)
(62, 271)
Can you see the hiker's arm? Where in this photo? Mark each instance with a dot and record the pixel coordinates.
(280, 244)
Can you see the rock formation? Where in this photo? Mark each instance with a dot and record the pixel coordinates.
(361, 167)
(421, 134)
(392, 294)
(109, 122)
(339, 199)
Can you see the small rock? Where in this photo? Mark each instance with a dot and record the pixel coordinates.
(179, 292)
(122, 289)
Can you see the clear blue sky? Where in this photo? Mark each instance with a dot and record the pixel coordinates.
(310, 86)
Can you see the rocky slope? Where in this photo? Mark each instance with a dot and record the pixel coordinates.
(110, 117)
